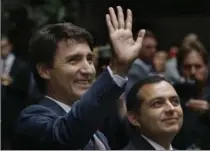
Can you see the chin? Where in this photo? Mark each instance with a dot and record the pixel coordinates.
(172, 129)
(81, 92)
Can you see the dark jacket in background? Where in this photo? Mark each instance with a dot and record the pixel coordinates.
(195, 132)
(14, 97)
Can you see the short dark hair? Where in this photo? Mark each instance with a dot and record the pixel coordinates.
(43, 45)
(192, 46)
(133, 101)
(148, 34)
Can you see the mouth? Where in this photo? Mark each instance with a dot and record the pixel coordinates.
(83, 83)
(170, 120)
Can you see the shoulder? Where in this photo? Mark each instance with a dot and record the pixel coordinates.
(34, 113)
(21, 63)
(34, 117)
(36, 109)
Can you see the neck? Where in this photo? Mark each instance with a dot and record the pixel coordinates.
(145, 60)
(60, 97)
(164, 141)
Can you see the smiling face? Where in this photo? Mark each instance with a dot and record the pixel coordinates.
(73, 71)
(160, 112)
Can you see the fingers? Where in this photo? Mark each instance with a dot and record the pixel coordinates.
(140, 38)
(200, 104)
(120, 17)
(129, 20)
(113, 18)
(118, 21)
(109, 24)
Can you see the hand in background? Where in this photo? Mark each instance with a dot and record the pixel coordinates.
(198, 105)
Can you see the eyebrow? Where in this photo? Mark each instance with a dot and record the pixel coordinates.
(157, 98)
(90, 54)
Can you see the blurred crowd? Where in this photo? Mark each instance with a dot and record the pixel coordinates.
(186, 67)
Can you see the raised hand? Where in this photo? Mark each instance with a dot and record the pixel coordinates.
(125, 48)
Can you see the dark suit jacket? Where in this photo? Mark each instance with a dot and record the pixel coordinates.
(43, 126)
(138, 143)
(20, 72)
(14, 96)
(139, 70)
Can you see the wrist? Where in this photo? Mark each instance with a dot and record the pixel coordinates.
(118, 68)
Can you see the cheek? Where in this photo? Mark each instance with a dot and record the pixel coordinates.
(202, 73)
(180, 112)
(67, 74)
(150, 118)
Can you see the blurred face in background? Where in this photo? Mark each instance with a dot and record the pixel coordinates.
(6, 48)
(149, 47)
(194, 67)
(159, 61)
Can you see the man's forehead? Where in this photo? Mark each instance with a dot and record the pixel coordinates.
(163, 88)
(73, 47)
(149, 39)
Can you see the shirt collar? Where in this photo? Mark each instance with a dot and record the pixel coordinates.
(155, 145)
(61, 104)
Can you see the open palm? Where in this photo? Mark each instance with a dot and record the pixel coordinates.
(125, 48)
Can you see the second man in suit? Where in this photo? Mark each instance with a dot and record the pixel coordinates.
(154, 113)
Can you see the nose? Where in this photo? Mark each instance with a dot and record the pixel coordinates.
(86, 68)
(169, 107)
(192, 71)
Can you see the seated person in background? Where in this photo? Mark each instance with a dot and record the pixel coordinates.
(159, 62)
(142, 66)
(195, 97)
(15, 81)
(154, 113)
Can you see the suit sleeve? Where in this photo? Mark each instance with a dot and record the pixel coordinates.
(72, 131)
(135, 74)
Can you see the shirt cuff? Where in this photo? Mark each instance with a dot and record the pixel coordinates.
(120, 81)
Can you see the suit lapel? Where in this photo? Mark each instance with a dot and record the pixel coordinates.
(13, 67)
(53, 106)
(141, 144)
(60, 111)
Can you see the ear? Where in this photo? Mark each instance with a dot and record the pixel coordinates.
(132, 118)
(43, 71)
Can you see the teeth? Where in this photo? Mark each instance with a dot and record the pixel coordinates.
(83, 82)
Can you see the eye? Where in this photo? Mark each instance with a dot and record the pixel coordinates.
(74, 60)
(198, 66)
(157, 103)
(175, 101)
(90, 59)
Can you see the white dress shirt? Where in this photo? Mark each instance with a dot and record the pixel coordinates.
(8, 62)
(155, 145)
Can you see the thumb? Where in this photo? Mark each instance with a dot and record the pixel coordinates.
(140, 37)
